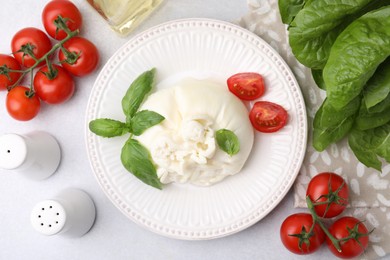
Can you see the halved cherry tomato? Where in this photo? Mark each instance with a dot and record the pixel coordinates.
(246, 85)
(82, 56)
(268, 117)
(67, 10)
(8, 78)
(348, 227)
(54, 90)
(298, 237)
(328, 187)
(33, 40)
(20, 105)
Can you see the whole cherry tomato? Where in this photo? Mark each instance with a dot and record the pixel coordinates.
(30, 41)
(8, 78)
(328, 187)
(81, 57)
(21, 104)
(68, 12)
(354, 229)
(268, 117)
(53, 87)
(297, 236)
(246, 85)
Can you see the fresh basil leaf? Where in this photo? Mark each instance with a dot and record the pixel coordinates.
(106, 127)
(137, 92)
(368, 145)
(328, 130)
(355, 56)
(227, 141)
(289, 8)
(137, 160)
(378, 87)
(143, 120)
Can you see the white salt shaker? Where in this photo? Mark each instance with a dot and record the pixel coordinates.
(71, 213)
(36, 155)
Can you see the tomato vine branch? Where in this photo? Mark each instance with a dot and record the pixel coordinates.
(58, 45)
(317, 220)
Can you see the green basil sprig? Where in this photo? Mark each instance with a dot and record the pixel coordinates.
(134, 156)
(227, 141)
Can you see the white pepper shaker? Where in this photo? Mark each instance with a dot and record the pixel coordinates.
(36, 155)
(71, 213)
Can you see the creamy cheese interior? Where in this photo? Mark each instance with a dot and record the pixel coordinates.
(183, 146)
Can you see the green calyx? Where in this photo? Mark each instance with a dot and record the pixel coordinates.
(134, 156)
(331, 198)
(304, 237)
(354, 234)
(71, 56)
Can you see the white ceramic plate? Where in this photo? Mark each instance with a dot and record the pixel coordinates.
(199, 48)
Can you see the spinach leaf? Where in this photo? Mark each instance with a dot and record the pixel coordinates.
(330, 125)
(289, 8)
(381, 106)
(227, 141)
(367, 120)
(330, 117)
(378, 87)
(137, 160)
(143, 120)
(368, 145)
(355, 55)
(318, 79)
(316, 27)
(137, 92)
(106, 127)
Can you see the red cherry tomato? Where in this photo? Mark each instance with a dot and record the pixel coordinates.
(299, 225)
(8, 78)
(20, 105)
(33, 39)
(54, 90)
(67, 10)
(246, 85)
(268, 117)
(345, 227)
(83, 59)
(328, 186)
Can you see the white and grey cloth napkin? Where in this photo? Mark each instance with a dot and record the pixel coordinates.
(369, 189)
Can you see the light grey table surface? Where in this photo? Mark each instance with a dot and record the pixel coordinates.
(113, 235)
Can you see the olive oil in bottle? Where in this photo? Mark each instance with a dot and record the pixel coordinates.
(124, 15)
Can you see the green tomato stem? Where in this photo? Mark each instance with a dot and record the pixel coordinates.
(316, 219)
(320, 203)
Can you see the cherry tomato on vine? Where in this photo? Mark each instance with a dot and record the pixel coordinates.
(53, 88)
(246, 85)
(30, 41)
(81, 56)
(67, 10)
(296, 235)
(348, 227)
(328, 187)
(21, 105)
(8, 78)
(268, 117)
